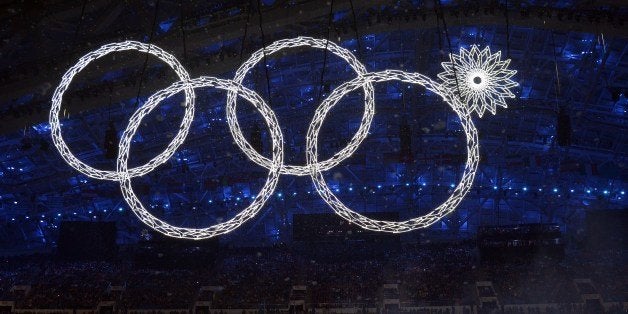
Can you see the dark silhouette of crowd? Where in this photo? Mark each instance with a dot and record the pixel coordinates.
(425, 275)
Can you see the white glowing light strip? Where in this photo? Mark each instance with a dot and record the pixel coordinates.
(481, 77)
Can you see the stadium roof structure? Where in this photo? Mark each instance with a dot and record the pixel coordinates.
(571, 62)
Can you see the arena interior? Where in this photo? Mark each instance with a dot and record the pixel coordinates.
(263, 181)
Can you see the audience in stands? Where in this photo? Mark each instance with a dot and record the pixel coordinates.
(254, 278)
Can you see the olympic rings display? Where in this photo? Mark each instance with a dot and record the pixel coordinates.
(478, 98)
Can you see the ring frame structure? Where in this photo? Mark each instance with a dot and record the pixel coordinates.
(499, 89)
(448, 206)
(221, 228)
(83, 62)
(346, 55)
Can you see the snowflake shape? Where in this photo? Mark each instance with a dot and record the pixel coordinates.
(482, 79)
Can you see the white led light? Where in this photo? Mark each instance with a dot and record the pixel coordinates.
(476, 80)
(481, 78)
(346, 55)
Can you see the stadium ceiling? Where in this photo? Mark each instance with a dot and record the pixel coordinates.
(39, 42)
(571, 55)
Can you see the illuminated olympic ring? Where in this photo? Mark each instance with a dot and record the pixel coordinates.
(495, 87)
(473, 153)
(346, 55)
(220, 228)
(57, 99)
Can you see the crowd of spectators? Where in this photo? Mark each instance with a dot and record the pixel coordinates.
(150, 289)
(7, 281)
(438, 275)
(54, 285)
(253, 278)
(443, 275)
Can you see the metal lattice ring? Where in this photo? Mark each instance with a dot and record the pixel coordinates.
(393, 226)
(221, 228)
(357, 66)
(67, 78)
(492, 90)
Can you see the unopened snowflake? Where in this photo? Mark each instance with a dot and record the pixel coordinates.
(482, 79)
